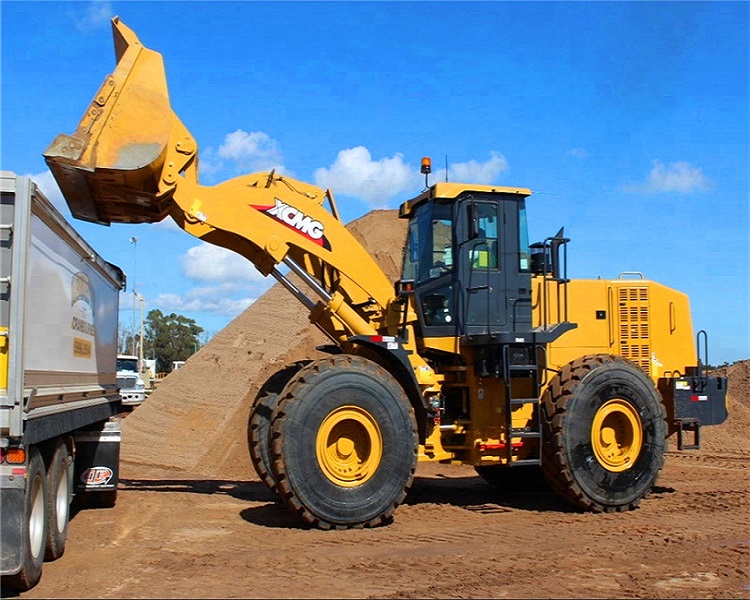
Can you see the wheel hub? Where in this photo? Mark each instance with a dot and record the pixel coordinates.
(617, 435)
(349, 446)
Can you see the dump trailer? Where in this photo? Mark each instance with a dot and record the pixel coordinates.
(58, 393)
(483, 353)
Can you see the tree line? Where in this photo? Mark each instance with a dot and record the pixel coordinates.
(166, 337)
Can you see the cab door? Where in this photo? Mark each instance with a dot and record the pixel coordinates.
(493, 293)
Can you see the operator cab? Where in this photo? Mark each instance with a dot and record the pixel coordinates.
(467, 258)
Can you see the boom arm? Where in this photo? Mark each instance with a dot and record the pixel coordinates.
(131, 160)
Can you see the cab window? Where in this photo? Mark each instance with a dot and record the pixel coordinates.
(484, 253)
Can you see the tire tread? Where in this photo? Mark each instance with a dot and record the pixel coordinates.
(556, 467)
(306, 377)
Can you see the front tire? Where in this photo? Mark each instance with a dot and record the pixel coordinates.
(604, 433)
(344, 443)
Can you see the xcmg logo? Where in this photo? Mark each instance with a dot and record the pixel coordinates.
(296, 219)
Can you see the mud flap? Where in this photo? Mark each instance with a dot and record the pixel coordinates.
(97, 461)
(11, 529)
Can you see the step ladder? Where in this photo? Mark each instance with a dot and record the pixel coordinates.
(529, 369)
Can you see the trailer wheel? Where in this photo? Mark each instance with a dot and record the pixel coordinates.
(259, 423)
(59, 484)
(34, 527)
(344, 443)
(604, 433)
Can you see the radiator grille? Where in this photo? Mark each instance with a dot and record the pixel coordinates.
(635, 335)
(127, 382)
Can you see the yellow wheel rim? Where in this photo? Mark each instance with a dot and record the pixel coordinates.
(349, 446)
(617, 435)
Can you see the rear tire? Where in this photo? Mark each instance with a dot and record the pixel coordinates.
(604, 433)
(344, 443)
(259, 423)
(59, 484)
(34, 533)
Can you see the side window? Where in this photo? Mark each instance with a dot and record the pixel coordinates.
(442, 253)
(486, 247)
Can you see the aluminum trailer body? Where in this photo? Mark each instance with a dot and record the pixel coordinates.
(59, 304)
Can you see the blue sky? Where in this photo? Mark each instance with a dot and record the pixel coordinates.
(628, 120)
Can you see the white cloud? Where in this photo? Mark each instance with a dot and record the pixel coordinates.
(167, 224)
(355, 173)
(225, 299)
(241, 145)
(202, 300)
(475, 172)
(679, 177)
(244, 152)
(233, 283)
(209, 263)
(95, 16)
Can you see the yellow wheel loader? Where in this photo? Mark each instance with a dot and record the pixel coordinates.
(483, 353)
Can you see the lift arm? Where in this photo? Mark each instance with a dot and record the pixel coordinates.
(131, 160)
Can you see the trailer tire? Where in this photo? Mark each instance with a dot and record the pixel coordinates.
(259, 422)
(344, 443)
(34, 527)
(604, 433)
(59, 485)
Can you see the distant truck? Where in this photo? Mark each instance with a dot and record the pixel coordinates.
(59, 399)
(130, 381)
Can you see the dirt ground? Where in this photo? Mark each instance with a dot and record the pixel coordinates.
(193, 520)
(173, 535)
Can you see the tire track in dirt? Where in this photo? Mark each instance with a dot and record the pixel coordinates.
(713, 461)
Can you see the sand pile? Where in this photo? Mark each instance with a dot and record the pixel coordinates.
(731, 437)
(197, 417)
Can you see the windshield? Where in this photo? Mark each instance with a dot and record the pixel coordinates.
(429, 244)
(127, 364)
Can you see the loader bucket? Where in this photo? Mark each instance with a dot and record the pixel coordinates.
(109, 169)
